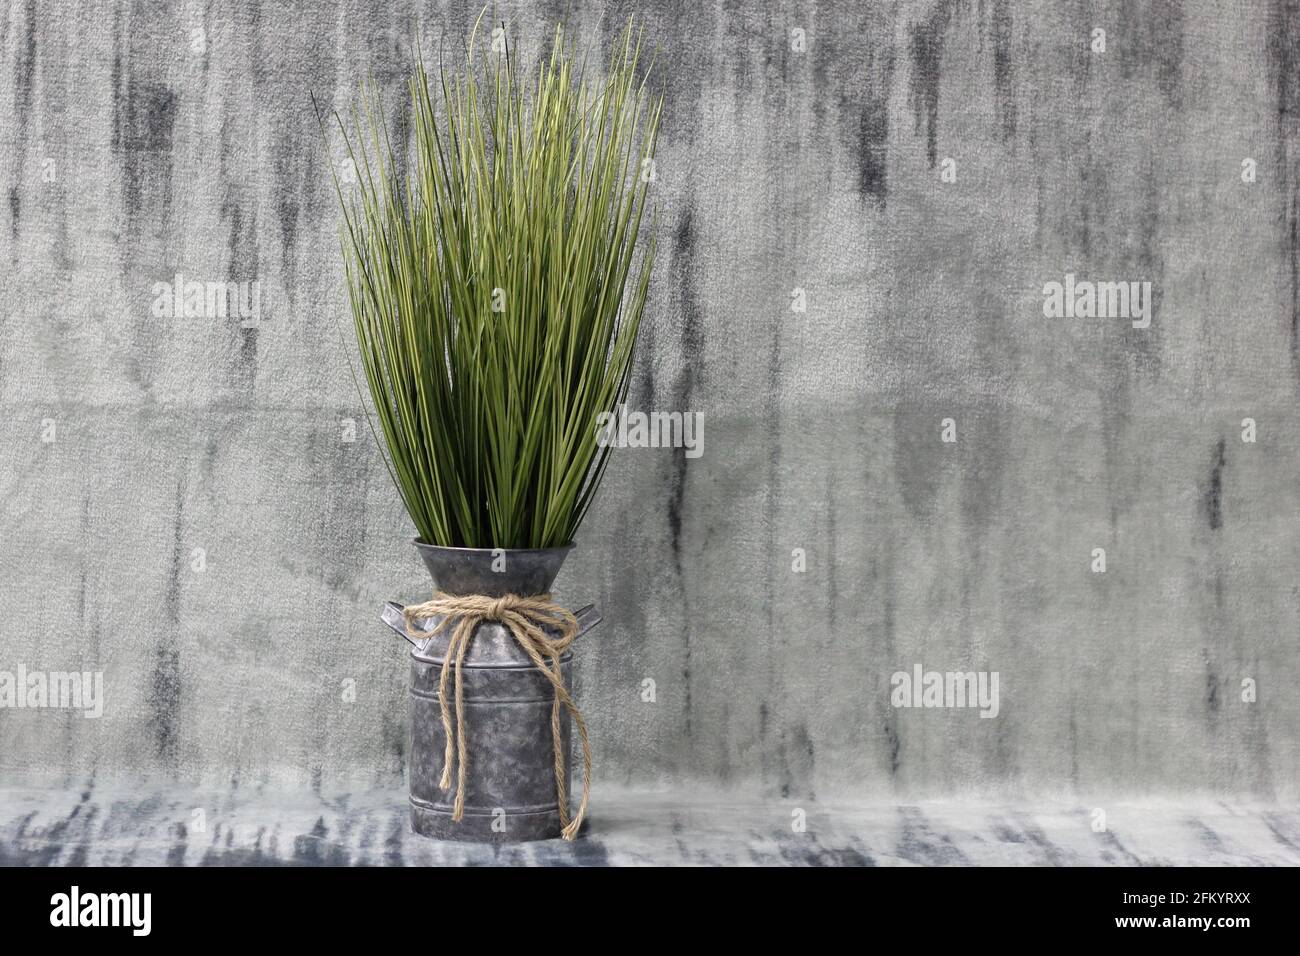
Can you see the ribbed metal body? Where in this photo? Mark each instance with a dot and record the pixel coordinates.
(510, 793)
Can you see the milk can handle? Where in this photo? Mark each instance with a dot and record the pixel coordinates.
(588, 617)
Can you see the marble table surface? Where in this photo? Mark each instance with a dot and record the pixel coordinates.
(197, 827)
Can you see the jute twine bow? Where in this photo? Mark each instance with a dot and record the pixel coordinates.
(525, 618)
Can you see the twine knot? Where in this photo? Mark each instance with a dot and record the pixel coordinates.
(526, 618)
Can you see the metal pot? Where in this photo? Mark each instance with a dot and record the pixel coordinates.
(510, 785)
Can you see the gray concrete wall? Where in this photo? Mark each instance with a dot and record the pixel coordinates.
(129, 155)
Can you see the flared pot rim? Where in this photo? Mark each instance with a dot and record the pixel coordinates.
(426, 546)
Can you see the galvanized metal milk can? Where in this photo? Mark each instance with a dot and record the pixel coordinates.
(510, 792)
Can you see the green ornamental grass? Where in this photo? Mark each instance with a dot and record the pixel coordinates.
(497, 286)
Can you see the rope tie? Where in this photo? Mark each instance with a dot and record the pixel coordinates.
(526, 619)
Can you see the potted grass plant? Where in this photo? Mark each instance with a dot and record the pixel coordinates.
(497, 283)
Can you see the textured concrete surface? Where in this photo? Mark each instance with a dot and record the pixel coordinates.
(200, 529)
(180, 827)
